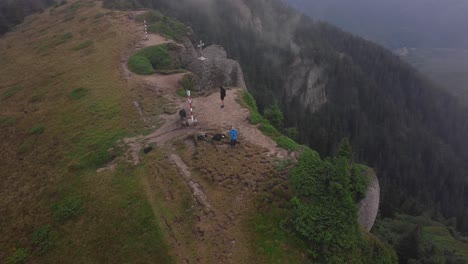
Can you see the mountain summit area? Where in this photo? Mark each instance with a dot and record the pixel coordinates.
(118, 146)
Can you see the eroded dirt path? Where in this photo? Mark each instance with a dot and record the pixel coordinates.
(223, 184)
(210, 116)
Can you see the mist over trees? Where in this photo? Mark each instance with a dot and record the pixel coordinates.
(396, 23)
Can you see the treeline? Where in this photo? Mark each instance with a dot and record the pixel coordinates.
(13, 12)
(412, 133)
(325, 213)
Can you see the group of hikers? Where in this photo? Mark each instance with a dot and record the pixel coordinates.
(233, 133)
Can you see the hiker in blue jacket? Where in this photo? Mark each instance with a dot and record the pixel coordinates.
(233, 133)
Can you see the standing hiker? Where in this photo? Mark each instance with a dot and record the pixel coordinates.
(222, 92)
(233, 133)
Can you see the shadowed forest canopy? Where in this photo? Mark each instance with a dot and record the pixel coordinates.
(412, 133)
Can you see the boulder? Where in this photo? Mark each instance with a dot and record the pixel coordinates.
(214, 71)
(369, 206)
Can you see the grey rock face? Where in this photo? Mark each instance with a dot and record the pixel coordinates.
(214, 71)
(306, 85)
(369, 206)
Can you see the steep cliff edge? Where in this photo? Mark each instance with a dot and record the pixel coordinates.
(369, 205)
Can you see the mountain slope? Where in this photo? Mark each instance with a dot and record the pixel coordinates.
(63, 104)
(447, 67)
(410, 131)
(432, 33)
(97, 167)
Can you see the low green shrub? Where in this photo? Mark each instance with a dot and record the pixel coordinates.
(250, 101)
(11, 91)
(38, 129)
(286, 143)
(7, 121)
(269, 130)
(166, 26)
(20, 255)
(182, 92)
(63, 38)
(41, 240)
(158, 56)
(274, 115)
(25, 146)
(255, 118)
(94, 151)
(325, 213)
(169, 28)
(140, 65)
(68, 209)
(360, 180)
(83, 45)
(150, 59)
(266, 127)
(78, 93)
(187, 82)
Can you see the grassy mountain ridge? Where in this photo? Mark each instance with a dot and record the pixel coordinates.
(61, 120)
(410, 131)
(60, 115)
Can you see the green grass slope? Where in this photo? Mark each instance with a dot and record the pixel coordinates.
(63, 105)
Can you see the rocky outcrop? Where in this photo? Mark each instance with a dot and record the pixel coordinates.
(369, 206)
(216, 70)
(306, 86)
(208, 74)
